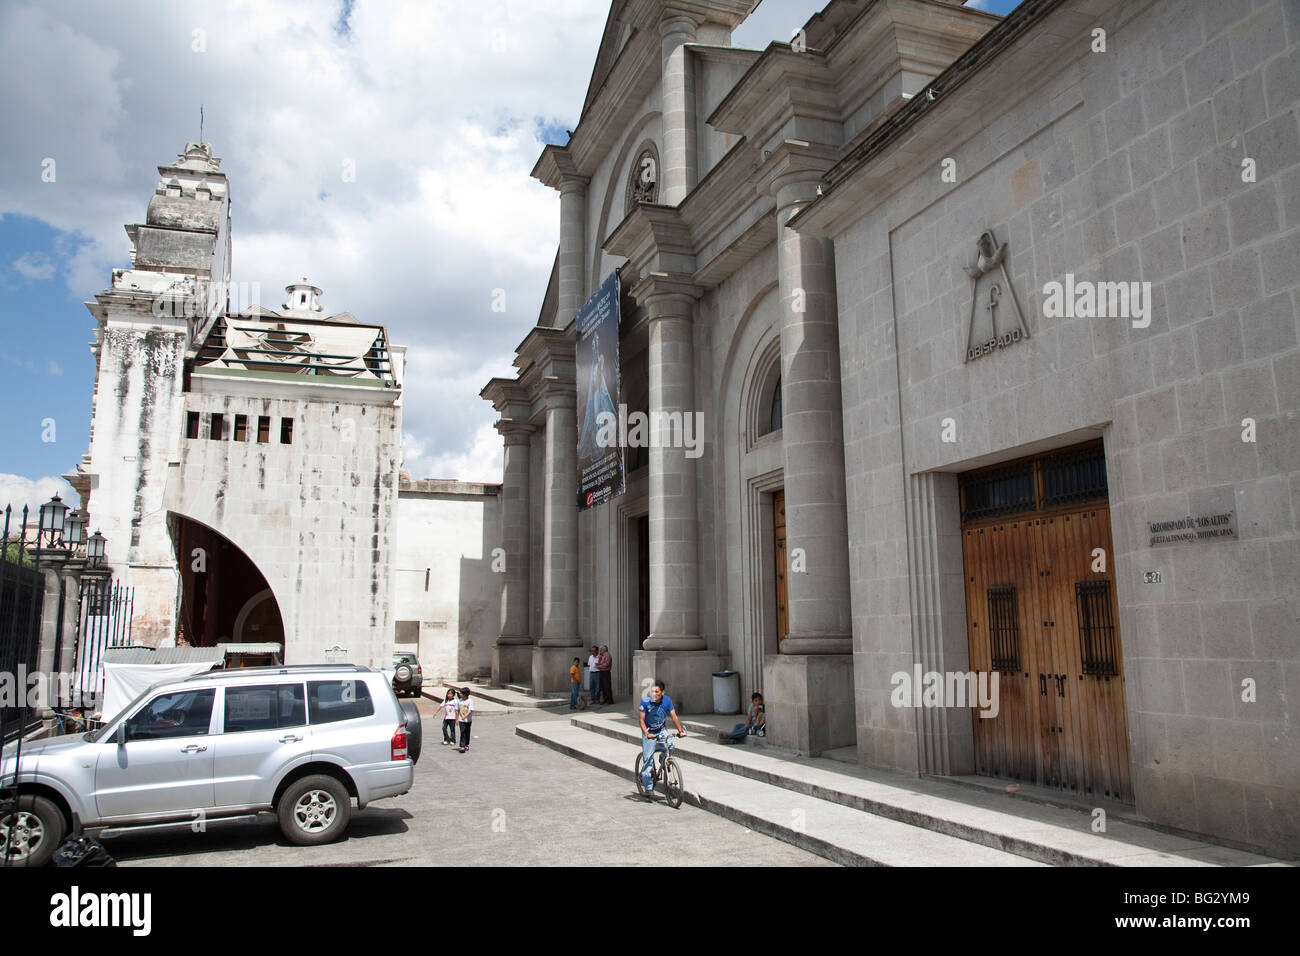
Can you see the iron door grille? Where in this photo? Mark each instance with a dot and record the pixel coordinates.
(1004, 629)
(1075, 477)
(1096, 628)
(999, 492)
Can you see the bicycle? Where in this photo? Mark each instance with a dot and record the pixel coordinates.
(666, 769)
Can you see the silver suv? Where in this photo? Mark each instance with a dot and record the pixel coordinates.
(300, 741)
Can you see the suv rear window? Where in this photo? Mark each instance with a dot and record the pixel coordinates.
(333, 700)
(264, 707)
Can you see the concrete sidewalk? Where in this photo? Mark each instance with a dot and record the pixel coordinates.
(849, 801)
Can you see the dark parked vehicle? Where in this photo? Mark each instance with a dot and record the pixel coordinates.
(408, 675)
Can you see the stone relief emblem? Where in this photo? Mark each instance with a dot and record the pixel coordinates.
(990, 258)
(643, 184)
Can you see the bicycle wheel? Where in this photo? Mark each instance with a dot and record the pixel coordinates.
(640, 786)
(673, 782)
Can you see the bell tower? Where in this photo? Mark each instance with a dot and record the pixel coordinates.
(149, 317)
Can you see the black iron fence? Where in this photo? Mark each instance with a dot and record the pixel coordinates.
(104, 621)
(92, 614)
(22, 592)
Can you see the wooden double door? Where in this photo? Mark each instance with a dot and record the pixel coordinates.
(1041, 611)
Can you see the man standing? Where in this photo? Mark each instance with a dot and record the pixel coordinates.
(593, 675)
(603, 664)
(654, 713)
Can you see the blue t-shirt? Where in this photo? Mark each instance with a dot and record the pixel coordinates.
(656, 714)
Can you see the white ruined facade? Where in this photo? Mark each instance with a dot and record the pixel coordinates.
(244, 463)
(243, 466)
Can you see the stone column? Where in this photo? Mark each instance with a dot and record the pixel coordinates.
(674, 557)
(680, 172)
(512, 658)
(572, 276)
(674, 651)
(559, 638)
(812, 433)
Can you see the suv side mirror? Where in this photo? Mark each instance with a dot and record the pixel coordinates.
(119, 737)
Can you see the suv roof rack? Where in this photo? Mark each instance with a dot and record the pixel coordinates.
(279, 669)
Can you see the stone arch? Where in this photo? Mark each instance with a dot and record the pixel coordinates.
(229, 571)
(752, 468)
(761, 381)
(638, 135)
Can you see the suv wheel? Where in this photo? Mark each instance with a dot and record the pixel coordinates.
(314, 810)
(32, 834)
(403, 674)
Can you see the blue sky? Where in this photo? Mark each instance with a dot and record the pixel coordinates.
(46, 369)
(442, 108)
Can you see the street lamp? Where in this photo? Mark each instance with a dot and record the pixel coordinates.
(52, 513)
(95, 550)
(76, 529)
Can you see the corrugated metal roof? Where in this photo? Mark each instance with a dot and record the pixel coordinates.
(163, 655)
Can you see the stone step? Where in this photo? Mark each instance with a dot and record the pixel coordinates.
(823, 827)
(1055, 835)
(511, 697)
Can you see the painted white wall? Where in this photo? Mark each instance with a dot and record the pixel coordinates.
(446, 540)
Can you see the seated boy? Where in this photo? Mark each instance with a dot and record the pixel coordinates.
(756, 723)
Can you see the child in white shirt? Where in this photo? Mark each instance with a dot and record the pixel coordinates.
(465, 715)
(450, 713)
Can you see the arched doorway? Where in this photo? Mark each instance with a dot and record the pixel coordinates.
(224, 597)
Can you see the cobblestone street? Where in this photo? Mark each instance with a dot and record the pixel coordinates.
(506, 802)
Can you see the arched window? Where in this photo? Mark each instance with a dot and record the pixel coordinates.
(763, 408)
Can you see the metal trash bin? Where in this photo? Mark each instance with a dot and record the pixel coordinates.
(726, 692)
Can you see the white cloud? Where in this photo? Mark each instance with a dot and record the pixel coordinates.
(438, 106)
(482, 461)
(16, 491)
(34, 265)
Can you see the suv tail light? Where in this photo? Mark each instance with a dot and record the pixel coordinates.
(419, 669)
(399, 743)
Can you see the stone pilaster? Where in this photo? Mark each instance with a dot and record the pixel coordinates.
(680, 172)
(812, 432)
(52, 566)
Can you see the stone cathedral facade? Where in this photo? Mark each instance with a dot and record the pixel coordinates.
(992, 326)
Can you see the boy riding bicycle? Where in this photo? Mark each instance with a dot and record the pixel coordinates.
(654, 713)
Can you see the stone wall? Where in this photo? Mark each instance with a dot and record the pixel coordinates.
(445, 580)
(316, 516)
(1125, 166)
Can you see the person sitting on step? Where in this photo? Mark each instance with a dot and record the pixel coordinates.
(755, 725)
